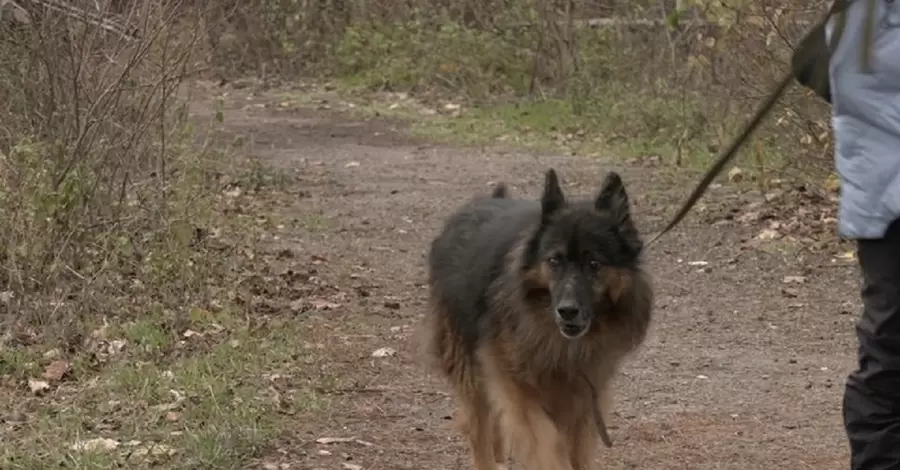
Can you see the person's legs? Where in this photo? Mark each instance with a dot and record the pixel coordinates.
(872, 395)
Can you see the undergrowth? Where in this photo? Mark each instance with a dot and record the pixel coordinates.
(639, 79)
(105, 193)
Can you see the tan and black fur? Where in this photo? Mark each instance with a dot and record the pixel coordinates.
(533, 307)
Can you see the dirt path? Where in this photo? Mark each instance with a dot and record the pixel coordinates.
(741, 370)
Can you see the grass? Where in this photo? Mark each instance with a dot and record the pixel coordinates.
(514, 94)
(623, 125)
(619, 123)
(214, 395)
(174, 379)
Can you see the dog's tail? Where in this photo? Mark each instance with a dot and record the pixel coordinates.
(500, 191)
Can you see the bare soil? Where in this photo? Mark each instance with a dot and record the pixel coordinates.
(743, 369)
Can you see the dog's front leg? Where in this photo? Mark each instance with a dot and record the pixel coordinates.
(474, 419)
(541, 444)
(584, 444)
(537, 441)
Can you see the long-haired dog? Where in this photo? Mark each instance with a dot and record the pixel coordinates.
(533, 307)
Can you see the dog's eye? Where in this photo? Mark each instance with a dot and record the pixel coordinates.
(554, 262)
(594, 265)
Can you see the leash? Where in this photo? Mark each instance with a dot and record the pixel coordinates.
(763, 111)
(725, 157)
(599, 422)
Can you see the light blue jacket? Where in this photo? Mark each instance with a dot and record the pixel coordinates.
(866, 120)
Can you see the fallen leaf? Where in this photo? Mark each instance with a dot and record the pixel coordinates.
(448, 67)
(769, 197)
(794, 279)
(321, 304)
(15, 417)
(333, 440)
(38, 386)
(153, 449)
(173, 416)
(352, 466)
(56, 370)
(179, 399)
(384, 352)
(90, 445)
(735, 175)
(698, 263)
(351, 165)
(768, 234)
(297, 305)
(789, 292)
(833, 183)
(337, 440)
(166, 406)
(116, 346)
(748, 218)
(52, 354)
(100, 333)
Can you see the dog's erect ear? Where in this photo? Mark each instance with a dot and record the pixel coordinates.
(553, 198)
(613, 197)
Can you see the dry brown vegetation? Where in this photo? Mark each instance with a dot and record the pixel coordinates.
(668, 77)
(142, 311)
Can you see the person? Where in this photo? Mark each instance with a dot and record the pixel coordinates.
(863, 87)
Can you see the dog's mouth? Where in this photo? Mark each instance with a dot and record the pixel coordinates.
(572, 330)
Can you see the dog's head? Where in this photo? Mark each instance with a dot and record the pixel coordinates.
(583, 253)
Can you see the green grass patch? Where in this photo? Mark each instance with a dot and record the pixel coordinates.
(515, 91)
(552, 124)
(416, 57)
(223, 395)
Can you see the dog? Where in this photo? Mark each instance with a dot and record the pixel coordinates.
(533, 307)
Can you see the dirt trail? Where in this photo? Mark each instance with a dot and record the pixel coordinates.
(740, 371)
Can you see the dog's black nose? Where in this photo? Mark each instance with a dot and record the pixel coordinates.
(567, 313)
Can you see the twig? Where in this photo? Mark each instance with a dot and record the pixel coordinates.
(84, 16)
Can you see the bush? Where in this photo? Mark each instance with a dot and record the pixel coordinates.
(101, 184)
(679, 76)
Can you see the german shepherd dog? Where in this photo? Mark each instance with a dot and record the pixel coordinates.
(533, 308)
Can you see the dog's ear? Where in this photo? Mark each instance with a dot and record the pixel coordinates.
(553, 198)
(551, 201)
(613, 198)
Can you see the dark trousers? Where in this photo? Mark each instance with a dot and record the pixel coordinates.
(872, 394)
